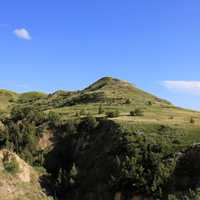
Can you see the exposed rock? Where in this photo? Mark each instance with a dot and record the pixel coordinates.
(24, 185)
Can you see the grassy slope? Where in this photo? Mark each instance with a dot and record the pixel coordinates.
(161, 112)
(6, 98)
(112, 94)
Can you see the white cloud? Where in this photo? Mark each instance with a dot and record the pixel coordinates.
(183, 86)
(22, 33)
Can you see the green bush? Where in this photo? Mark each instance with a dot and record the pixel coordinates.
(100, 109)
(113, 114)
(192, 121)
(149, 103)
(128, 101)
(54, 119)
(136, 112)
(88, 123)
(11, 166)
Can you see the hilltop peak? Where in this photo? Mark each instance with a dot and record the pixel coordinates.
(109, 81)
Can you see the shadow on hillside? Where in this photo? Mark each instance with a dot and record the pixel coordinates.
(47, 186)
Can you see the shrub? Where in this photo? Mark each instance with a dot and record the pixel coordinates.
(136, 112)
(88, 123)
(54, 118)
(149, 103)
(132, 113)
(113, 114)
(77, 114)
(128, 101)
(192, 121)
(100, 110)
(11, 166)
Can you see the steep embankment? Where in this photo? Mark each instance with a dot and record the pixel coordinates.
(18, 181)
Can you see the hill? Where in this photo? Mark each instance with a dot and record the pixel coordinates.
(109, 139)
(110, 94)
(114, 94)
(6, 99)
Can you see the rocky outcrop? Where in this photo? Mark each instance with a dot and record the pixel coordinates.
(23, 185)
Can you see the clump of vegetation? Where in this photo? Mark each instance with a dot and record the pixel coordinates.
(77, 114)
(101, 109)
(93, 157)
(128, 101)
(21, 134)
(11, 166)
(83, 112)
(54, 118)
(99, 158)
(29, 97)
(113, 114)
(192, 121)
(136, 112)
(149, 103)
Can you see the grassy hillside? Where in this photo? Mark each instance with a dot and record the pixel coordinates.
(6, 99)
(108, 138)
(111, 94)
(114, 94)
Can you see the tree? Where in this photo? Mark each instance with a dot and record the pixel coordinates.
(113, 114)
(88, 123)
(54, 118)
(136, 112)
(128, 101)
(192, 121)
(100, 109)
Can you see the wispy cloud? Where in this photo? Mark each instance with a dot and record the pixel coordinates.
(22, 33)
(183, 86)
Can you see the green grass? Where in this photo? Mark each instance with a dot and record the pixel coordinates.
(114, 95)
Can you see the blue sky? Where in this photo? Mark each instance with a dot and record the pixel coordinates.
(60, 44)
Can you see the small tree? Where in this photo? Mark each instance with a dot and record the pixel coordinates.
(11, 166)
(113, 114)
(77, 114)
(88, 123)
(128, 101)
(149, 103)
(136, 112)
(100, 109)
(54, 118)
(192, 121)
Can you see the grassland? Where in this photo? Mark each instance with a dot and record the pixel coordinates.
(111, 94)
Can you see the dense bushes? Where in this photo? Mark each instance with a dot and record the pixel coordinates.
(98, 159)
(21, 132)
(93, 158)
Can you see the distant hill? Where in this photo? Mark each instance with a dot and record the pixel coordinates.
(119, 91)
(111, 94)
(106, 90)
(78, 139)
(6, 99)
